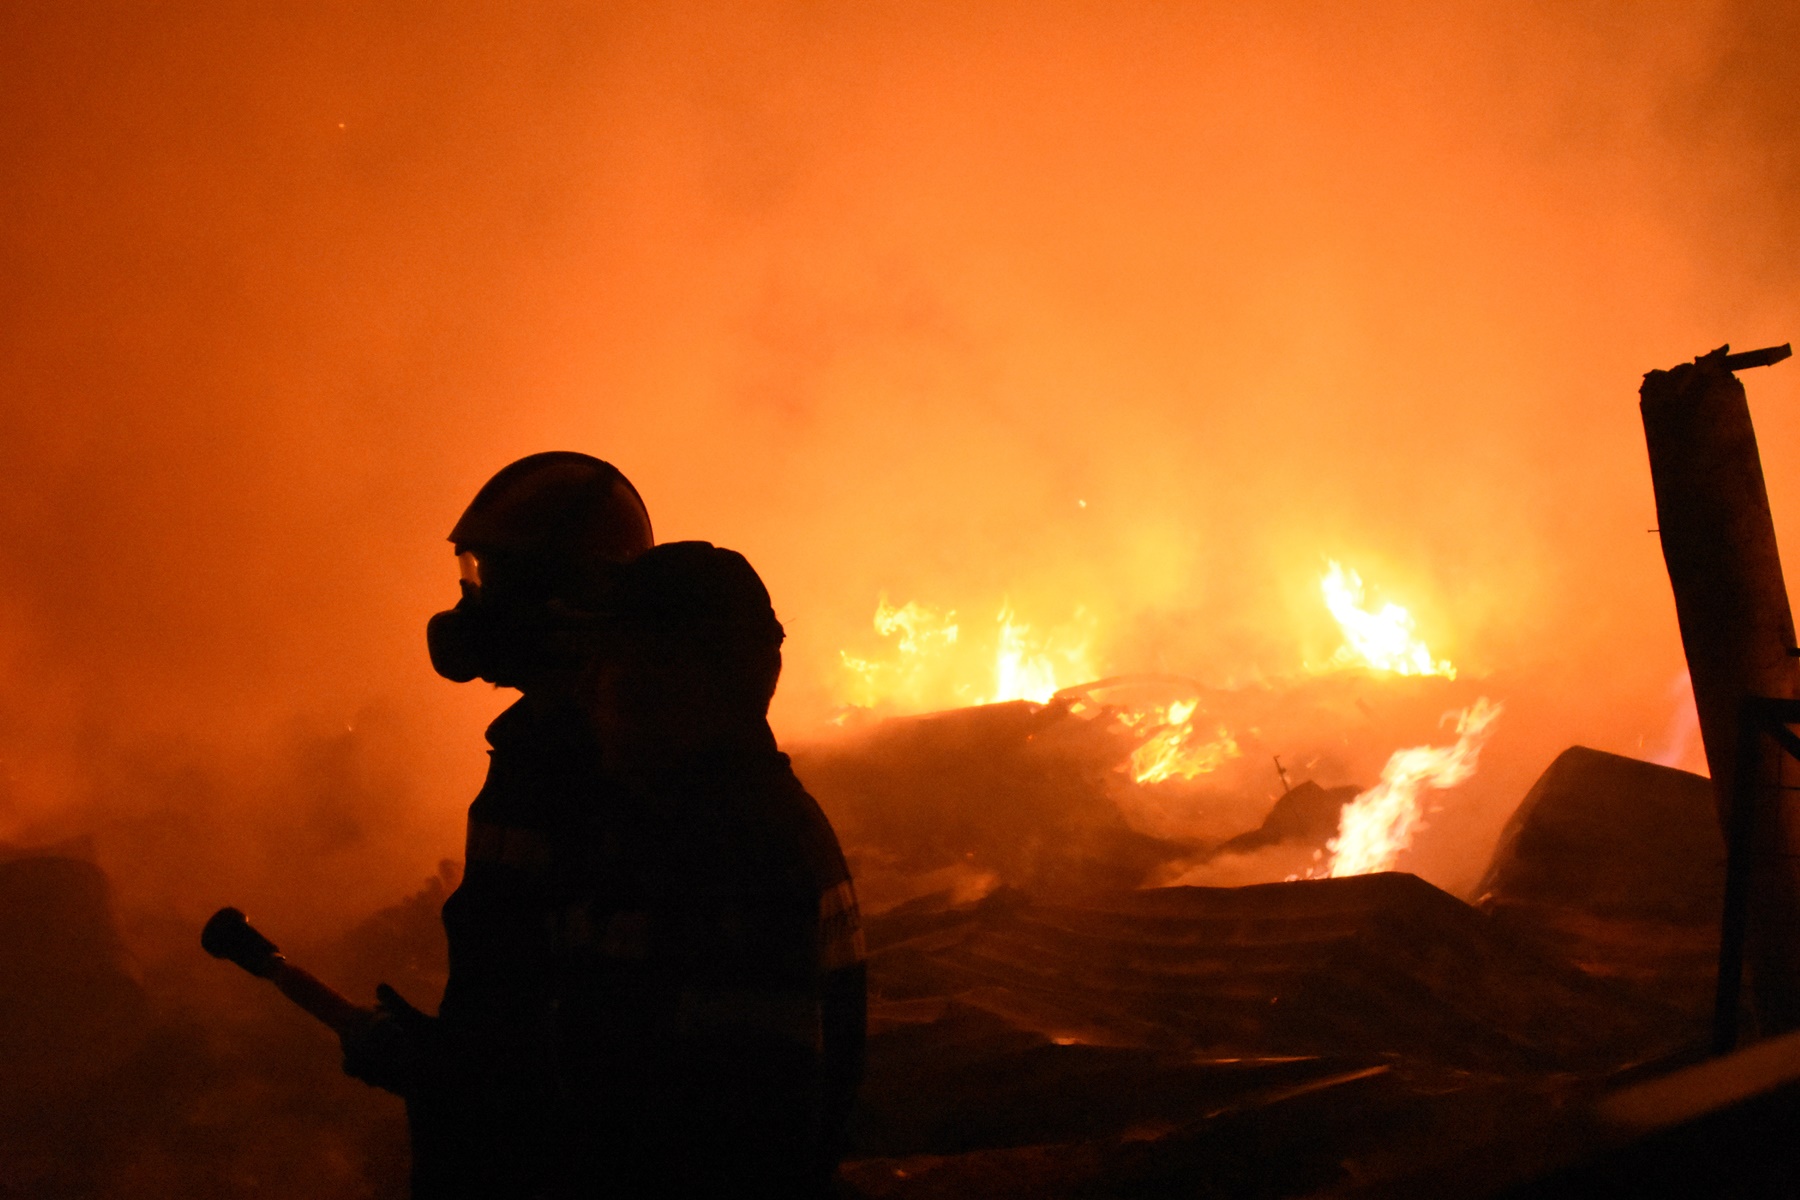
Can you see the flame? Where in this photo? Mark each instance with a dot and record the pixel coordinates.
(1383, 640)
(932, 665)
(1173, 745)
(922, 636)
(935, 663)
(1035, 668)
(1376, 826)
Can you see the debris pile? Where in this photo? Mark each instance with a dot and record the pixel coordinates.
(1041, 1024)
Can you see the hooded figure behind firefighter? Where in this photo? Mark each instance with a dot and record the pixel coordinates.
(711, 1011)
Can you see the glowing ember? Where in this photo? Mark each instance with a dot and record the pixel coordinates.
(1174, 746)
(1383, 640)
(1376, 826)
(933, 665)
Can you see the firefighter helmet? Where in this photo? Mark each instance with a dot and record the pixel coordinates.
(544, 536)
(567, 514)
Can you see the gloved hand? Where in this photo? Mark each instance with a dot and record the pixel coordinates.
(397, 1047)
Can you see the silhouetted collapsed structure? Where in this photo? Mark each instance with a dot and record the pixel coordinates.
(1031, 1042)
(1039, 1025)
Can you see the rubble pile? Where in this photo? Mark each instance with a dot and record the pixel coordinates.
(1041, 1023)
(1617, 866)
(150, 1075)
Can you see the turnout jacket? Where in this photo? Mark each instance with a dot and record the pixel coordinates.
(485, 1112)
(655, 989)
(710, 1018)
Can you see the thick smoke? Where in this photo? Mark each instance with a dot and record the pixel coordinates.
(877, 294)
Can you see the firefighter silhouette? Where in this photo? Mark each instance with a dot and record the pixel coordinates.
(538, 547)
(656, 980)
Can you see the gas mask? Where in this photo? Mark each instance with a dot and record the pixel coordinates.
(460, 639)
(502, 637)
(479, 638)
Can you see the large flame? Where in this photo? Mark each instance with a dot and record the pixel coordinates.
(1376, 826)
(1382, 640)
(1030, 667)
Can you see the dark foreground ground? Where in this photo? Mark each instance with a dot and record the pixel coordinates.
(1051, 1032)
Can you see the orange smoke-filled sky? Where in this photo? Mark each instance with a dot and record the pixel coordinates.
(875, 293)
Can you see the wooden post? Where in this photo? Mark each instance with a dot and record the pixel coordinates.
(1718, 541)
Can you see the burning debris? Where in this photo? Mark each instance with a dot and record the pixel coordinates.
(1175, 745)
(1019, 851)
(1052, 796)
(1123, 1025)
(1089, 328)
(1180, 761)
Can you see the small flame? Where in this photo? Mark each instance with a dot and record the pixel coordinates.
(1173, 745)
(1383, 640)
(1376, 826)
(933, 665)
(922, 637)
